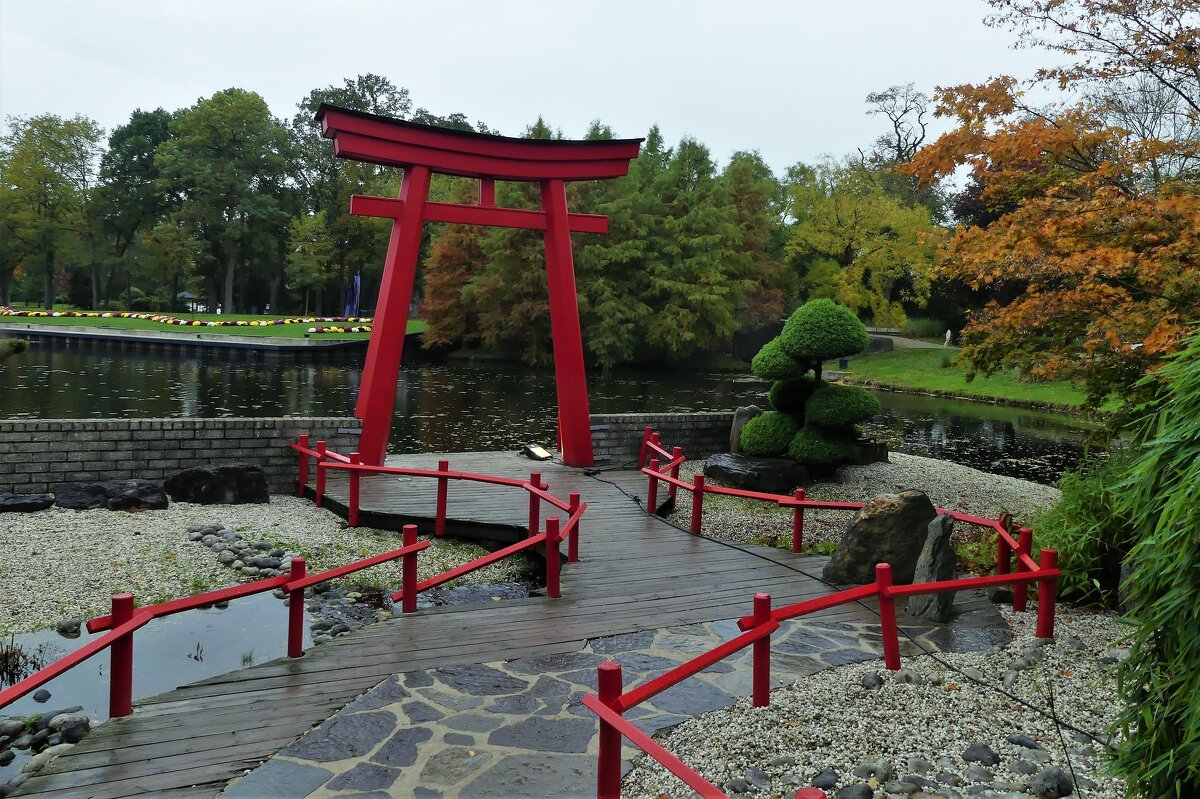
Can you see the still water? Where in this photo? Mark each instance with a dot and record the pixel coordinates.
(491, 406)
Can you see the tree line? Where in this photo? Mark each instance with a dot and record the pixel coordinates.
(223, 204)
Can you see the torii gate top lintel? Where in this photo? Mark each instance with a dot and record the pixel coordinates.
(423, 149)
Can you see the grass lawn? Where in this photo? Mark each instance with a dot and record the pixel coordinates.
(922, 370)
(297, 330)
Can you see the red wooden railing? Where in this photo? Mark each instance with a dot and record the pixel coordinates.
(609, 703)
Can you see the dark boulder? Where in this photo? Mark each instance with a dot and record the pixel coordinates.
(233, 484)
(80, 496)
(25, 503)
(936, 563)
(772, 475)
(114, 495)
(740, 417)
(889, 529)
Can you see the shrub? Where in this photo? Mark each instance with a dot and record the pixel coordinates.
(1160, 681)
(790, 396)
(924, 327)
(772, 363)
(841, 407)
(768, 434)
(816, 446)
(820, 330)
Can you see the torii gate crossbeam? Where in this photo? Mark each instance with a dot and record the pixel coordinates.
(421, 150)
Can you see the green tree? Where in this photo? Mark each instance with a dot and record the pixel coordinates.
(227, 158)
(757, 199)
(862, 247)
(455, 257)
(170, 254)
(310, 252)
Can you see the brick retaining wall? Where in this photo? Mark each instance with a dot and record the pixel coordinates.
(35, 454)
(702, 433)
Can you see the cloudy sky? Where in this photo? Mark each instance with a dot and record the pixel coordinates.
(785, 78)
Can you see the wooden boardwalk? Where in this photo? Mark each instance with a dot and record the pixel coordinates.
(636, 572)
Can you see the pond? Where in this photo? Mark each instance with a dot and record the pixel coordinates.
(461, 406)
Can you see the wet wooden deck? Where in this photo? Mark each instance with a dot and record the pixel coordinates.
(636, 572)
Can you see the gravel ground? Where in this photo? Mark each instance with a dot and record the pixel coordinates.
(948, 484)
(60, 563)
(832, 721)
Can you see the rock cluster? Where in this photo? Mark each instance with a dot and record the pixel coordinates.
(44, 736)
(112, 494)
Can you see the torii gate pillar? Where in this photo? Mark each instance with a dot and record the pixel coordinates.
(421, 150)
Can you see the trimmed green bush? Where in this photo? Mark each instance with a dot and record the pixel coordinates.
(790, 396)
(821, 330)
(768, 434)
(772, 363)
(840, 407)
(816, 446)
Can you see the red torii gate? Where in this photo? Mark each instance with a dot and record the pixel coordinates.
(421, 150)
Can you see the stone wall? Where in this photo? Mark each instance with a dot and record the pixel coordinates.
(618, 436)
(35, 454)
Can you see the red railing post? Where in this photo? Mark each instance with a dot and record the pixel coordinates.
(408, 572)
(302, 465)
(552, 564)
(352, 520)
(296, 611)
(443, 485)
(652, 489)
(608, 771)
(887, 616)
(762, 653)
(1021, 590)
(697, 503)
(676, 453)
(1003, 550)
(120, 691)
(573, 541)
(798, 523)
(322, 448)
(811, 793)
(1047, 594)
(646, 434)
(535, 504)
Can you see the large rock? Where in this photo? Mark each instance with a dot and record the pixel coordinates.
(772, 475)
(114, 495)
(740, 417)
(889, 529)
(936, 563)
(25, 503)
(233, 484)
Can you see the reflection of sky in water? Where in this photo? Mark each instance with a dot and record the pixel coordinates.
(495, 406)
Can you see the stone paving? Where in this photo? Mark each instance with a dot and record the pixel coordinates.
(518, 728)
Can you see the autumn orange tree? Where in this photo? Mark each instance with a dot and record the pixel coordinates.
(1093, 263)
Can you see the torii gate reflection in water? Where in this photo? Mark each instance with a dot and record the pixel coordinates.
(421, 150)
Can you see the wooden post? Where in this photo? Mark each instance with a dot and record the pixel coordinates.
(608, 771)
(322, 448)
(652, 489)
(1047, 594)
(676, 453)
(535, 505)
(120, 692)
(552, 564)
(302, 463)
(762, 653)
(1003, 550)
(408, 572)
(887, 616)
(443, 485)
(798, 523)
(697, 503)
(352, 520)
(573, 541)
(296, 611)
(1021, 590)
(646, 434)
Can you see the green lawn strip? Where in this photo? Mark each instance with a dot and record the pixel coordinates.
(299, 330)
(923, 370)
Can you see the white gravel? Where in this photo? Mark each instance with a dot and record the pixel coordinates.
(948, 484)
(57, 564)
(829, 720)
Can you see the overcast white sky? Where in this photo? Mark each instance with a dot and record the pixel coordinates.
(785, 78)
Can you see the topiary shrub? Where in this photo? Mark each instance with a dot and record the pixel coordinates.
(817, 446)
(772, 363)
(768, 434)
(790, 396)
(840, 407)
(821, 330)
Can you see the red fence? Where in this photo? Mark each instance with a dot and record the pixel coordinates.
(125, 619)
(610, 703)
